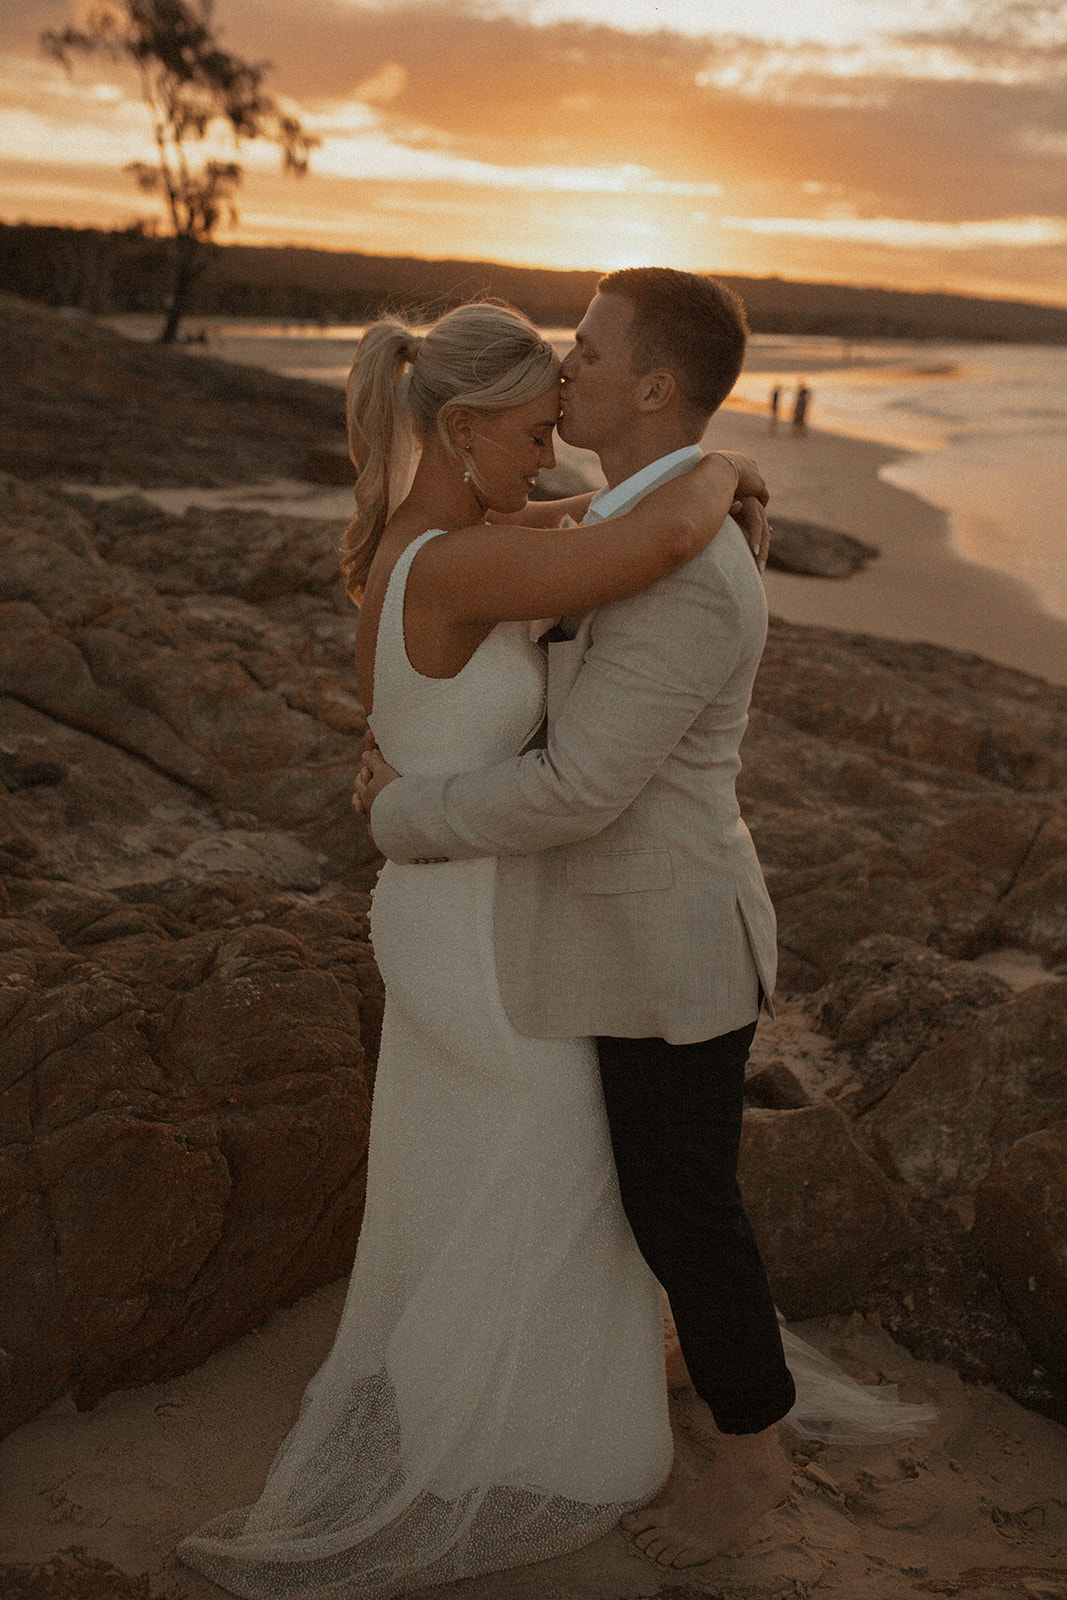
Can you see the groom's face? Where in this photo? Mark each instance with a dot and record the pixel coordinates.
(599, 384)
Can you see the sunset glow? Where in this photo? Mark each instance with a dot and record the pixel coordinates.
(910, 143)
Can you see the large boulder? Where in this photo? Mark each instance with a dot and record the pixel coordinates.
(188, 1002)
(184, 1103)
(815, 551)
(252, 708)
(81, 402)
(903, 790)
(963, 1104)
(1020, 1224)
(831, 1227)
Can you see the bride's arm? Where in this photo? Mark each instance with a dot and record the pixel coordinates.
(504, 573)
(543, 513)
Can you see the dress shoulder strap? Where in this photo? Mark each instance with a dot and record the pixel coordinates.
(391, 662)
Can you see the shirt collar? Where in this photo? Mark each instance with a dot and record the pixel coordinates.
(611, 502)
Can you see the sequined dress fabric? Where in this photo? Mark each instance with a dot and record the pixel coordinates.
(495, 1394)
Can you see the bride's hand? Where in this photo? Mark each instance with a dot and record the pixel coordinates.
(372, 778)
(749, 514)
(750, 482)
(750, 499)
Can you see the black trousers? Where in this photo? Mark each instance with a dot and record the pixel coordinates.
(675, 1118)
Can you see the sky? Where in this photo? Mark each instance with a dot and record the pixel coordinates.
(916, 144)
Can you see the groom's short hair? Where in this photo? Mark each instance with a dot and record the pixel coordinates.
(691, 325)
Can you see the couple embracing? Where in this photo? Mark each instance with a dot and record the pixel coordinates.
(575, 940)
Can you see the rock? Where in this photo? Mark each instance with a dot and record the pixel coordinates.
(1033, 914)
(209, 1080)
(898, 790)
(1020, 1224)
(775, 1088)
(964, 1103)
(81, 402)
(831, 1227)
(251, 707)
(923, 705)
(329, 463)
(814, 551)
(273, 857)
(889, 1002)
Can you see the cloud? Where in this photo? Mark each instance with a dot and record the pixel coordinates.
(879, 145)
(1010, 233)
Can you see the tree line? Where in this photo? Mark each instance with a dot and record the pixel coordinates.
(131, 270)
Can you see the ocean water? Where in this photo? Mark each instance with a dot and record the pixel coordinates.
(982, 429)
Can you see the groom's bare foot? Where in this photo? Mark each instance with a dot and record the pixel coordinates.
(751, 1475)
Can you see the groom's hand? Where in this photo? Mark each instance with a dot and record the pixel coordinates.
(372, 778)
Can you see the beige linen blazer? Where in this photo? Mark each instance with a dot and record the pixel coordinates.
(629, 898)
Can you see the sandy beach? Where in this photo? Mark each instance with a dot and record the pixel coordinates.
(977, 1507)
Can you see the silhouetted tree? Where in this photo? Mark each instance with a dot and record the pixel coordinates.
(188, 82)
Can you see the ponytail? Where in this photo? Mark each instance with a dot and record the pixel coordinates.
(374, 402)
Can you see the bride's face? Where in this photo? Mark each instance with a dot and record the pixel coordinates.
(509, 448)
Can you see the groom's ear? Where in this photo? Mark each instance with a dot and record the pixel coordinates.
(656, 390)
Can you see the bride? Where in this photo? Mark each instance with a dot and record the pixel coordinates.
(496, 1392)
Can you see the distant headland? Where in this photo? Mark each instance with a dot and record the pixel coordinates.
(107, 273)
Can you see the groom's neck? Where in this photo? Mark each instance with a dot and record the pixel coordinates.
(639, 450)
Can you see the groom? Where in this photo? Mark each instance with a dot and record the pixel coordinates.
(630, 902)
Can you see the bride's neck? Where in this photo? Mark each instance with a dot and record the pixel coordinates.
(439, 495)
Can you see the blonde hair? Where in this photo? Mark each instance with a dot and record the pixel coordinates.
(485, 355)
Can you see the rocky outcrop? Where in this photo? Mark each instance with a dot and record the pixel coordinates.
(79, 402)
(904, 790)
(184, 1097)
(188, 1001)
(889, 1002)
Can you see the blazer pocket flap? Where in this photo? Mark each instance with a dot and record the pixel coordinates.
(620, 872)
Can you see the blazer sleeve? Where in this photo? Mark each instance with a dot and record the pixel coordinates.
(654, 661)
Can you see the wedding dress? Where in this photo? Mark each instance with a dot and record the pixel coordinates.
(496, 1392)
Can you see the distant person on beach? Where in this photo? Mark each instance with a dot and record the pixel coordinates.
(776, 400)
(800, 407)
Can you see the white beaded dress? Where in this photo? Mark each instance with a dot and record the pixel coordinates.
(496, 1391)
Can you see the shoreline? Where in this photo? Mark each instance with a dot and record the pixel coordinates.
(918, 589)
